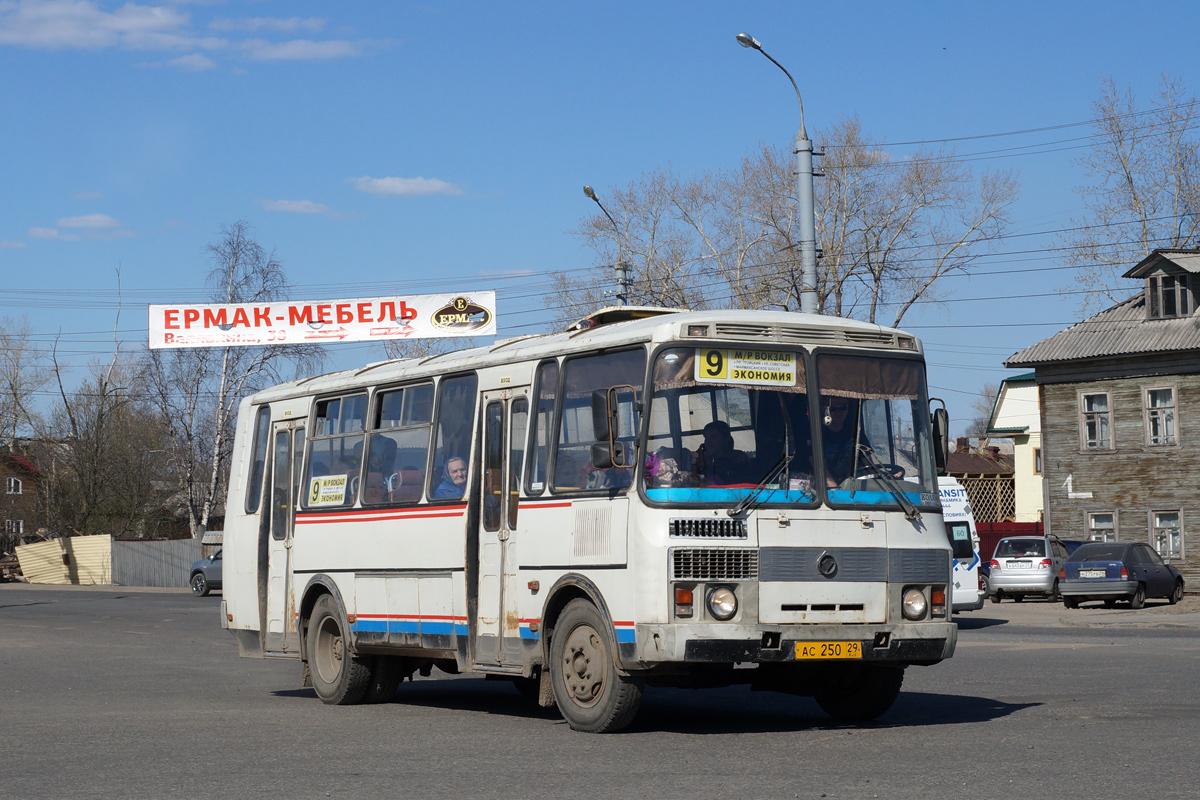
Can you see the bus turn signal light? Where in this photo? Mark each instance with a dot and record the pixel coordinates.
(683, 602)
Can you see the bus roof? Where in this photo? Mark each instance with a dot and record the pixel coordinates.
(762, 328)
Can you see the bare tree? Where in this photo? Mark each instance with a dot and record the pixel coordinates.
(982, 406)
(1144, 190)
(889, 229)
(197, 391)
(23, 372)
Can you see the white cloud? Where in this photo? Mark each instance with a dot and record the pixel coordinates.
(89, 221)
(194, 62)
(295, 206)
(403, 187)
(267, 24)
(83, 24)
(50, 233)
(300, 50)
(7, 245)
(53, 24)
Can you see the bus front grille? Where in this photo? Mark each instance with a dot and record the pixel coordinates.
(714, 564)
(711, 528)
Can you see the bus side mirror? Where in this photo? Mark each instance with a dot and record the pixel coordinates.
(602, 419)
(940, 423)
(605, 456)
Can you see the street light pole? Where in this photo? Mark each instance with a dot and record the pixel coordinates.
(805, 207)
(624, 282)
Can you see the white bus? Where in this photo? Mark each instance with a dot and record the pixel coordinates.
(967, 591)
(650, 498)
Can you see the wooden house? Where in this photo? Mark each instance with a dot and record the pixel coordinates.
(1120, 416)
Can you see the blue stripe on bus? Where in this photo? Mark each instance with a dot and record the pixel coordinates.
(409, 626)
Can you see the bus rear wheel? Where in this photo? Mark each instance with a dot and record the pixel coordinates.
(858, 692)
(591, 695)
(338, 676)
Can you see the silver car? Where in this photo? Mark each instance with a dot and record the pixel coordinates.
(1025, 565)
(206, 575)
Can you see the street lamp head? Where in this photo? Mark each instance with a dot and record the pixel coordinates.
(746, 40)
(590, 192)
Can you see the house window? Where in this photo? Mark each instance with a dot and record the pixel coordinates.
(1160, 416)
(1167, 296)
(1102, 527)
(1037, 461)
(1166, 534)
(13, 485)
(16, 526)
(1095, 422)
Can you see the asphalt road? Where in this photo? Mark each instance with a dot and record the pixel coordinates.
(119, 693)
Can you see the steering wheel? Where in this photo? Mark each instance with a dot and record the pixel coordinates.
(894, 471)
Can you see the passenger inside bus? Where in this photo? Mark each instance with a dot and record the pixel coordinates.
(454, 480)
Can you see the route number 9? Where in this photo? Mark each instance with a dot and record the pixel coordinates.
(714, 363)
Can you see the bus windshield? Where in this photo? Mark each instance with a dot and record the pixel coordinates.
(875, 440)
(723, 422)
(728, 422)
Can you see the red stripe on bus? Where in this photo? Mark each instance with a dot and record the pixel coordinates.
(546, 505)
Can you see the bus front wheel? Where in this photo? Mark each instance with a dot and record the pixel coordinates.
(338, 676)
(591, 695)
(859, 692)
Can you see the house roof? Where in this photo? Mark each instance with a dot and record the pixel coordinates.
(1187, 260)
(24, 462)
(978, 463)
(1118, 331)
(1007, 431)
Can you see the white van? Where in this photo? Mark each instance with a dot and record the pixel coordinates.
(965, 594)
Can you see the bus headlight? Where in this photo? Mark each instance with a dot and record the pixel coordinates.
(722, 602)
(913, 604)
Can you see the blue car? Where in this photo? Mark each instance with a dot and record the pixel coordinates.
(1112, 571)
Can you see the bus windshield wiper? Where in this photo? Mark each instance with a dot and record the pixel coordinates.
(748, 502)
(910, 510)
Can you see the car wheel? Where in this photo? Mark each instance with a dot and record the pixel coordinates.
(996, 597)
(1139, 597)
(199, 584)
(1071, 602)
(591, 695)
(858, 692)
(1054, 594)
(338, 676)
(1176, 593)
(1017, 598)
(986, 585)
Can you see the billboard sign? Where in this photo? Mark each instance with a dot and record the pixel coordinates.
(418, 316)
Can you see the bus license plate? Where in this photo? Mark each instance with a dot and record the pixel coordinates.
(820, 650)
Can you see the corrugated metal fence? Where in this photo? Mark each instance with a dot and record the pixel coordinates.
(154, 563)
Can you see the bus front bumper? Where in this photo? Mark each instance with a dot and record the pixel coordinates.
(918, 643)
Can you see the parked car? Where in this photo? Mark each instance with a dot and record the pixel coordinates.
(1025, 565)
(1112, 571)
(206, 575)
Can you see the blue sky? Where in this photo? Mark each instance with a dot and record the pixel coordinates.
(426, 147)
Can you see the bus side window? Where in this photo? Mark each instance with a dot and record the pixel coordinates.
(335, 457)
(398, 446)
(581, 377)
(452, 441)
(262, 428)
(546, 390)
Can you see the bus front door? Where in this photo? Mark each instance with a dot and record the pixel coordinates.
(505, 421)
(287, 450)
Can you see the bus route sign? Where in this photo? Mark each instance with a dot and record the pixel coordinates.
(749, 366)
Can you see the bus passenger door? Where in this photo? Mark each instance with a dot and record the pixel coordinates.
(287, 450)
(505, 421)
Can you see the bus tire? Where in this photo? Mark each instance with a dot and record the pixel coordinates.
(386, 673)
(858, 692)
(591, 695)
(338, 676)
